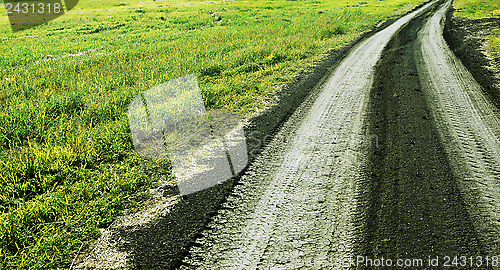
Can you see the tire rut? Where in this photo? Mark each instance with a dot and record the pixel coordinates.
(303, 203)
(468, 125)
(417, 209)
(324, 191)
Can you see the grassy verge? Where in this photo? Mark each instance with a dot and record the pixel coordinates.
(478, 9)
(67, 165)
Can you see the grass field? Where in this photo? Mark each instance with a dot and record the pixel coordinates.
(478, 9)
(67, 165)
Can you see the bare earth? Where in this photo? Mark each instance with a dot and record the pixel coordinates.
(395, 154)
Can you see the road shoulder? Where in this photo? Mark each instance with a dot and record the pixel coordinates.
(467, 38)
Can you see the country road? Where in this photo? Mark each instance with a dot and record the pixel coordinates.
(395, 154)
(469, 127)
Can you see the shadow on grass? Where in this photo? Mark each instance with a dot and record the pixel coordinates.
(162, 243)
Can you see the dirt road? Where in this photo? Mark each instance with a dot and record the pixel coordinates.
(395, 154)
(468, 125)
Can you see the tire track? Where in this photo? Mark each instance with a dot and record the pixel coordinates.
(303, 202)
(468, 125)
(417, 209)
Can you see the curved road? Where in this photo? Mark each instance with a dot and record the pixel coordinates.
(355, 172)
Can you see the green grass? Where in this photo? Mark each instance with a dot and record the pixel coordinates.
(67, 165)
(478, 9)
